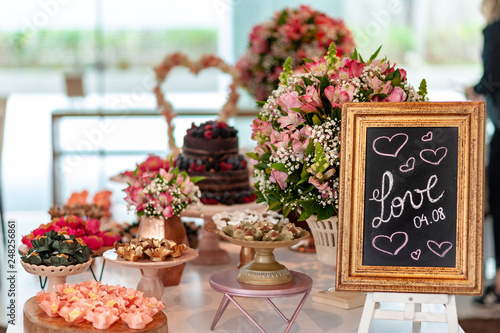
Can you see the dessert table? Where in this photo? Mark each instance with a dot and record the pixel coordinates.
(192, 305)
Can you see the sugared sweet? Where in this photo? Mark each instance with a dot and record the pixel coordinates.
(154, 249)
(102, 305)
(263, 231)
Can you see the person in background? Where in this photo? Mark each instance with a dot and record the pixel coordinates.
(488, 89)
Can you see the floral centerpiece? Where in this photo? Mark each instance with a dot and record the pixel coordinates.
(159, 197)
(162, 193)
(297, 33)
(297, 155)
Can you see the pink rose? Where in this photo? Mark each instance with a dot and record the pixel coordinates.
(279, 177)
(289, 101)
(397, 95)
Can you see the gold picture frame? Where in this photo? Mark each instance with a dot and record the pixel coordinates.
(461, 274)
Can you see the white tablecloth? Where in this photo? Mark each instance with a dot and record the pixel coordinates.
(191, 306)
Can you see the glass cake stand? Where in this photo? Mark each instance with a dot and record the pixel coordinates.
(264, 269)
(150, 284)
(210, 252)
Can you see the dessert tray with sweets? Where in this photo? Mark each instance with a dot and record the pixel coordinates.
(149, 248)
(264, 237)
(150, 255)
(94, 307)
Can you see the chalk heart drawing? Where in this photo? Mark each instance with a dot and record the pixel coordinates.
(427, 137)
(391, 244)
(410, 164)
(415, 255)
(439, 249)
(390, 146)
(433, 157)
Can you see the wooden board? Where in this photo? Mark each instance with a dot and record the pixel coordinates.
(37, 321)
(411, 198)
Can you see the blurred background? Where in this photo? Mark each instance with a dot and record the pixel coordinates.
(112, 45)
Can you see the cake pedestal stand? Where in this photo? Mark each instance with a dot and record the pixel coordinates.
(56, 274)
(209, 250)
(225, 282)
(264, 270)
(150, 284)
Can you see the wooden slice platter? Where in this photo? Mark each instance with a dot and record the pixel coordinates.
(37, 321)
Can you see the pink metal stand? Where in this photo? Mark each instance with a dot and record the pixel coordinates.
(225, 282)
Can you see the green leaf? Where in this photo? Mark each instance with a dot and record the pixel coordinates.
(262, 166)
(307, 60)
(355, 54)
(307, 81)
(266, 156)
(197, 179)
(283, 17)
(396, 82)
(279, 167)
(325, 212)
(316, 120)
(261, 103)
(375, 54)
(310, 148)
(304, 215)
(287, 210)
(422, 89)
(275, 205)
(253, 155)
(361, 59)
(303, 180)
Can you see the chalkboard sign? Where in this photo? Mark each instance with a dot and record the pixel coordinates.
(411, 197)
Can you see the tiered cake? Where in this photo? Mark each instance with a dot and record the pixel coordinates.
(211, 150)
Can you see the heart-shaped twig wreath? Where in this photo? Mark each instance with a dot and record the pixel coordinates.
(206, 61)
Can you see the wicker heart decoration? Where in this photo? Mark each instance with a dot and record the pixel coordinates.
(206, 61)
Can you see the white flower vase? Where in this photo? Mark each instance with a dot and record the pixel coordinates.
(325, 239)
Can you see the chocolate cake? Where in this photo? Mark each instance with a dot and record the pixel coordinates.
(211, 150)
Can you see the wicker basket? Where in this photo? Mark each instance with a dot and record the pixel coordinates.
(325, 238)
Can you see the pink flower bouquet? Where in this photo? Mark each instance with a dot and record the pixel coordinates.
(297, 155)
(297, 33)
(165, 192)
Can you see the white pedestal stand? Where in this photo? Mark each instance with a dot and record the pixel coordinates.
(412, 312)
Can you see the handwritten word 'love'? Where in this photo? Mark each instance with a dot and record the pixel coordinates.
(397, 204)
